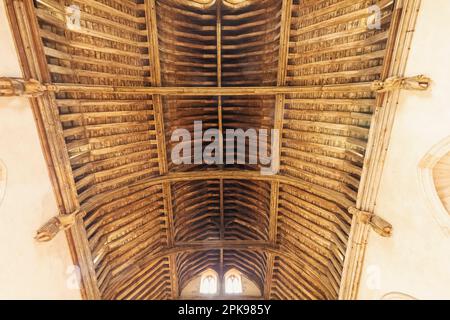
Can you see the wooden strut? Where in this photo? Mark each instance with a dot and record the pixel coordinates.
(56, 224)
(19, 87)
(378, 224)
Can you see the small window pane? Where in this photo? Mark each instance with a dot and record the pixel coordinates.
(208, 285)
(233, 284)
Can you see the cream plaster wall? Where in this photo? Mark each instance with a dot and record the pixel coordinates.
(28, 270)
(416, 260)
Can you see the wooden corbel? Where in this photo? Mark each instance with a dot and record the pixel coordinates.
(378, 224)
(11, 87)
(416, 83)
(62, 222)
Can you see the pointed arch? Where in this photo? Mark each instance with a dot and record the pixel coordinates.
(434, 175)
(233, 282)
(209, 282)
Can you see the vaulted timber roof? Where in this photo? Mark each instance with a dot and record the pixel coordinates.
(152, 226)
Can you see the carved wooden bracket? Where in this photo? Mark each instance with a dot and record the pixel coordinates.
(417, 83)
(10, 87)
(63, 222)
(378, 224)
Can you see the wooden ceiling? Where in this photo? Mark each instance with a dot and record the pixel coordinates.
(152, 226)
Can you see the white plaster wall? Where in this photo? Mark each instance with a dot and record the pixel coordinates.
(28, 270)
(416, 260)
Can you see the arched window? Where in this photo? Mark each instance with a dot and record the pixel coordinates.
(208, 283)
(397, 296)
(434, 175)
(233, 282)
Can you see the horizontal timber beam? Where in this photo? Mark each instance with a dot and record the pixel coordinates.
(20, 87)
(208, 91)
(226, 175)
(221, 244)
